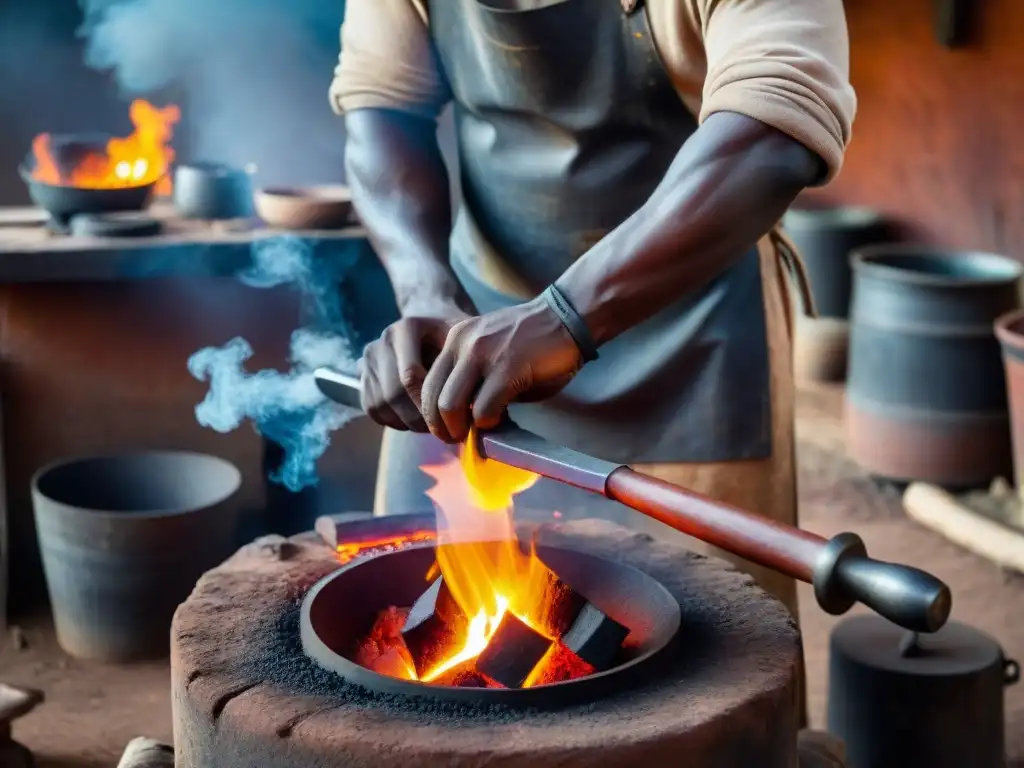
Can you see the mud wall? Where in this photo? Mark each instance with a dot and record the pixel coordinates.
(938, 140)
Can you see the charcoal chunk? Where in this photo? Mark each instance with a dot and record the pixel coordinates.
(559, 665)
(595, 637)
(512, 653)
(557, 606)
(462, 676)
(435, 628)
(436, 601)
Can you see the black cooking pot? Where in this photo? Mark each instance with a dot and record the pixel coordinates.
(900, 699)
(64, 201)
(212, 191)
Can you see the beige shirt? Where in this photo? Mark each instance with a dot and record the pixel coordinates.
(782, 62)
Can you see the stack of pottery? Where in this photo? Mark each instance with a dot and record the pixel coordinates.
(926, 395)
(824, 239)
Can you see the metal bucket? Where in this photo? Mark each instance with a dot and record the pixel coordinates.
(212, 191)
(926, 396)
(124, 540)
(825, 238)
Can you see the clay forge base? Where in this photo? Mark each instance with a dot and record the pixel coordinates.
(244, 694)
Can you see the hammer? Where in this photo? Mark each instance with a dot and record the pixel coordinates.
(839, 568)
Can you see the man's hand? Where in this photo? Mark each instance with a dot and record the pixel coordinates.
(394, 366)
(520, 353)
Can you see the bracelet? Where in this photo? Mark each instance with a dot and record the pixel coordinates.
(572, 321)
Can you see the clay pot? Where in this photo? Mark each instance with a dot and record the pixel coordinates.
(824, 238)
(1010, 332)
(323, 207)
(926, 397)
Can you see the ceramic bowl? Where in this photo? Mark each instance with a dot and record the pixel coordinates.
(320, 207)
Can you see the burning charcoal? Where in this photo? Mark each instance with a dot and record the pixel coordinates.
(383, 649)
(462, 676)
(395, 662)
(434, 628)
(558, 665)
(595, 637)
(557, 606)
(512, 653)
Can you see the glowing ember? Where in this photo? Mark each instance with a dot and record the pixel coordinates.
(481, 628)
(142, 158)
(349, 551)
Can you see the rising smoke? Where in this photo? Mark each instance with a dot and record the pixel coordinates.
(254, 74)
(285, 407)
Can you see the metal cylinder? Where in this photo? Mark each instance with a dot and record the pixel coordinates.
(926, 396)
(212, 191)
(899, 699)
(825, 237)
(124, 540)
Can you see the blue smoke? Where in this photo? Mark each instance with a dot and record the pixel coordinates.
(285, 407)
(254, 74)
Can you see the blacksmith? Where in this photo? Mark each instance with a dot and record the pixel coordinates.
(612, 276)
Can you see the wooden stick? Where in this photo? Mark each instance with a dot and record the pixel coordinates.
(940, 511)
(147, 753)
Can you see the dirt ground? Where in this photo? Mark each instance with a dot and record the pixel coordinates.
(92, 711)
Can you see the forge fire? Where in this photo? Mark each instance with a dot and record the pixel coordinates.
(492, 613)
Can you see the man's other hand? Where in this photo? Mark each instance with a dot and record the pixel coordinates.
(520, 353)
(394, 367)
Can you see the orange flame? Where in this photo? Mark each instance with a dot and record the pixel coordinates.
(478, 554)
(350, 550)
(142, 158)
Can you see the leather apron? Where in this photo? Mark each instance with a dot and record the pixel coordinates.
(565, 123)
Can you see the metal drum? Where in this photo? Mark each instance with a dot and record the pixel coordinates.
(926, 395)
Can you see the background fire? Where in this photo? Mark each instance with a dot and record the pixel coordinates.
(143, 157)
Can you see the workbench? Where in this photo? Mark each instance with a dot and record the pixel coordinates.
(94, 339)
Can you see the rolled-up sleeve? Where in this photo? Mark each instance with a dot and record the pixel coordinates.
(387, 60)
(785, 63)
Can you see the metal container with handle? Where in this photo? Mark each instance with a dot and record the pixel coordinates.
(899, 699)
(839, 568)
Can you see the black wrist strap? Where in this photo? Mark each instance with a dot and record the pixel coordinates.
(572, 321)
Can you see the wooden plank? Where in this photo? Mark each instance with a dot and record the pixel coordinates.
(951, 517)
(147, 753)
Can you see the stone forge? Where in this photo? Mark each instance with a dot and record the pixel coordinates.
(245, 693)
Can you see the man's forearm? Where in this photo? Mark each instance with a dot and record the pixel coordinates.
(400, 191)
(730, 183)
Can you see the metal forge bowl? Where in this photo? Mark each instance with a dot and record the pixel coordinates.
(63, 201)
(340, 609)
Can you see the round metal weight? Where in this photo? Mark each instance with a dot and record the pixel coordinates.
(899, 699)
